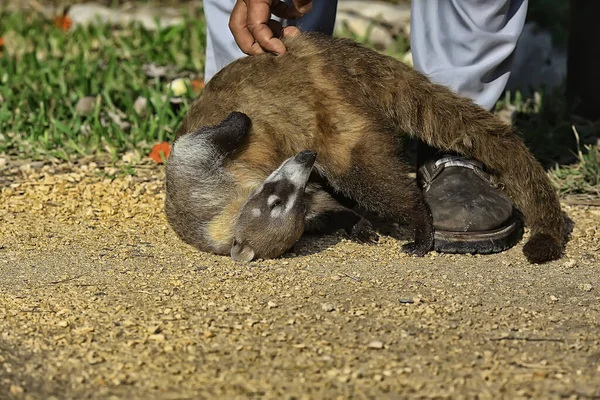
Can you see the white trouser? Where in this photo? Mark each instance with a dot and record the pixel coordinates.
(466, 45)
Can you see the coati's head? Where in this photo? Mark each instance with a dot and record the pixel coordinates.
(272, 219)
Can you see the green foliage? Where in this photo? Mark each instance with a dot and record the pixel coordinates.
(567, 147)
(582, 176)
(45, 71)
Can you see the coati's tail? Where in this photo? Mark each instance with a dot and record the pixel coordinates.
(446, 121)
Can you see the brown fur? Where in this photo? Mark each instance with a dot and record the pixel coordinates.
(348, 104)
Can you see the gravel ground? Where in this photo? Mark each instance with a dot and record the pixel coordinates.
(100, 300)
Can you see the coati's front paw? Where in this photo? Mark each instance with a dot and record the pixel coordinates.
(415, 249)
(363, 232)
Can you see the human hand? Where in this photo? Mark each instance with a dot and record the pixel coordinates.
(255, 32)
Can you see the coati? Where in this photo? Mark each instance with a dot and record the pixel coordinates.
(238, 176)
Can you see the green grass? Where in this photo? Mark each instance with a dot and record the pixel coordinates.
(566, 146)
(45, 71)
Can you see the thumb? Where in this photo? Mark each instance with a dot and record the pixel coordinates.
(303, 6)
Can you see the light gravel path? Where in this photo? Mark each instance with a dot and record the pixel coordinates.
(99, 300)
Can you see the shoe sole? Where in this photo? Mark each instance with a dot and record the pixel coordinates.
(488, 242)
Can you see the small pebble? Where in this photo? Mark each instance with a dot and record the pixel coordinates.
(154, 329)
(333, 372)
(208, 334)
(86, 105)
(14, 389)
(357, 375)
(587, 287)
(327, 307)
(272, 304)
(376, 344)
(157, 338)
(93, 358)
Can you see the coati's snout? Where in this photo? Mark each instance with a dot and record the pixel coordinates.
(272, 219)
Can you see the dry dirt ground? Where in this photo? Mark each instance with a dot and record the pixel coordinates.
(100, 300)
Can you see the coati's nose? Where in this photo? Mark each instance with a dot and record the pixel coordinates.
(296, 169)
(306, 157)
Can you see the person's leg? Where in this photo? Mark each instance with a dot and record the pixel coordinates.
(221, 48)
(320, 19)
(466, 45)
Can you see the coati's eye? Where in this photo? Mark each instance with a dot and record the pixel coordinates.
(274, 201)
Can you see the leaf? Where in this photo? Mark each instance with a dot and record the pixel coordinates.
(62, 127)
(159, 151)
(197, 85)
(63, 22)
(1, 41)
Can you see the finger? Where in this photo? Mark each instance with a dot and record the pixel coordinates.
(290, 31)
(303, 6)
(242, 35)
(259, 13)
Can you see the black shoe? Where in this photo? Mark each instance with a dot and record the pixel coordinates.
(470, 213)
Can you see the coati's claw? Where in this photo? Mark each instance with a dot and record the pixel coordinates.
(414, 249)
(363, 232)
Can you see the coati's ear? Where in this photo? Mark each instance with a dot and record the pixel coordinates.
(230, 132)
(241, 252)
(237, 121)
